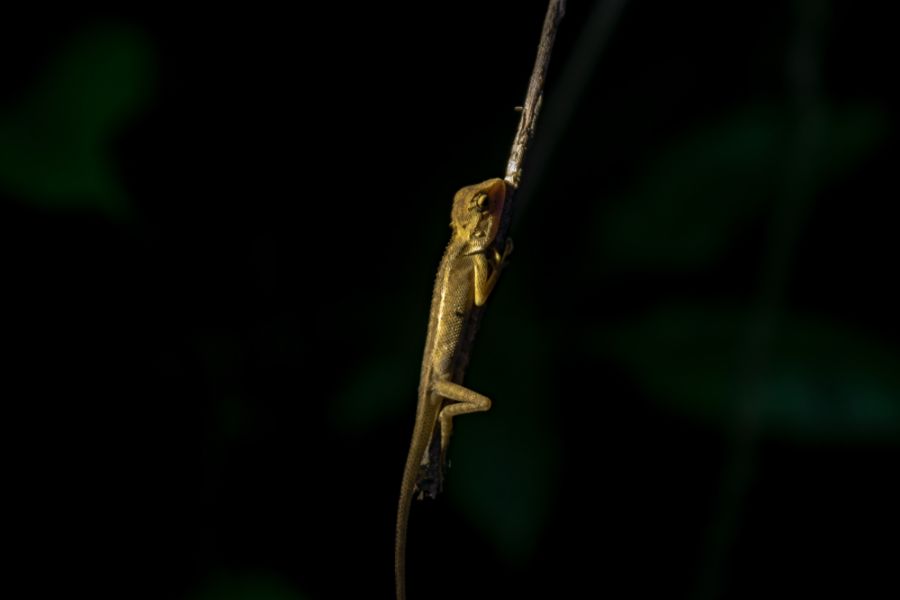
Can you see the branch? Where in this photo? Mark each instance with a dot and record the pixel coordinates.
(535, 94)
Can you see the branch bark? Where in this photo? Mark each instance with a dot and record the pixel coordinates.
(529, 113)
(535, 94)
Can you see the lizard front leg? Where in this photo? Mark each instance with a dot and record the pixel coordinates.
(467, 401)
(488, 270)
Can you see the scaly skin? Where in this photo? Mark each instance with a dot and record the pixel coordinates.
(465, 279)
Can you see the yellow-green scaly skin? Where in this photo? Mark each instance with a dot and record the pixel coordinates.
(465, 279)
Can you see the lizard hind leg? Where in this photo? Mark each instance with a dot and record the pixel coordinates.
(466, 401)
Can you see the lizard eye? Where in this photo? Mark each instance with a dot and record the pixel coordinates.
(482, 201)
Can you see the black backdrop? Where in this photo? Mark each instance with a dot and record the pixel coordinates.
(219, 234)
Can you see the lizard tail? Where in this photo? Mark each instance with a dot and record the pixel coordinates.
(421, 439)
(407, 489)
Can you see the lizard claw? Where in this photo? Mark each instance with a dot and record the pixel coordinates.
(507, 250)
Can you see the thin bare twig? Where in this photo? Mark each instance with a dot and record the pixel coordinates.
(535, 94)
(569, 88)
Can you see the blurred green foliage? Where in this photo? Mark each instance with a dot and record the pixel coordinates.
(819, 382)
(382, 389)
(692, 200)
(510, 457)
(56, 141)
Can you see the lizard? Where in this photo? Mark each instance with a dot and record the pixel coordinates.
(467, 274)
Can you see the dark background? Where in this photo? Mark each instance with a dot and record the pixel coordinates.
(220, 230)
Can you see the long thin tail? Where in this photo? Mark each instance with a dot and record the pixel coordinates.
(407, 488)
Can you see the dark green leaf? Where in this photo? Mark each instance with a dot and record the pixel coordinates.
(814, 378)
(55, 146)
(691, 202)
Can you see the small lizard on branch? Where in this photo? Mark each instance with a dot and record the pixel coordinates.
(467, 275)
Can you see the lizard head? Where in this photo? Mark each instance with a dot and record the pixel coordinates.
(476, 213)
